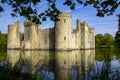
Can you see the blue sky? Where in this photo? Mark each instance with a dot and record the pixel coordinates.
(107, 24)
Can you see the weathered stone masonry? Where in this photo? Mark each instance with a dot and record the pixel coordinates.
(60, 37)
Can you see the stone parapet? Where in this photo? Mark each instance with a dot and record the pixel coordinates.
(27, 23)
(64, 14)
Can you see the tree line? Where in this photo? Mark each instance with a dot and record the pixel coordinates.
(3, 40)
(104, 40)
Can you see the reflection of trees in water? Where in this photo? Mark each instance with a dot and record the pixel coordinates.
(105, 70)
(3, 54)
(112, 52)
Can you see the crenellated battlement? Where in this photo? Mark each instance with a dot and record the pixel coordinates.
(11, 25)
(18, 21)
(91, 30)
(47, 29)
(64, 14)
(28, 23)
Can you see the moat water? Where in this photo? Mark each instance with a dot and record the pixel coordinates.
(99, 64)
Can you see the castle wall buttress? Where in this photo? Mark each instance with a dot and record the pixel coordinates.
(46, 38)
(92, 38)
(78, 34)
(41, 40)
(52, 38)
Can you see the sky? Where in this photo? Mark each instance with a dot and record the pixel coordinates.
(102, 25)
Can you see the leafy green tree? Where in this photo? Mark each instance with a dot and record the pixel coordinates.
(109, 40)
(99, 40)
(3, 40)
(117, 39)
(117, 36)
(28, 9)
(104, 40)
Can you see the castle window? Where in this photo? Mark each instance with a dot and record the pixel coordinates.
(45, 39)
(76, 62)
(64, 38)
(65, 20)
(64, 62)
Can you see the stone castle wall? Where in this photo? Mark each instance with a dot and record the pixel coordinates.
(49, 38)
(60, 37)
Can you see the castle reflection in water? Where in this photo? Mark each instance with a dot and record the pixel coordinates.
(63, 64)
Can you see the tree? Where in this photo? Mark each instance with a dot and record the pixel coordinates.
(117, 36)
(27, 8)
(99, 40)
(117, 39)
(104, 40)
(108, 39)
(3, 40)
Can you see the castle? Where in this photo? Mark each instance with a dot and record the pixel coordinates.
(60, 37)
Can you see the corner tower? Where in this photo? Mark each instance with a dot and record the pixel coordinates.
(63, 31)
(13, 39)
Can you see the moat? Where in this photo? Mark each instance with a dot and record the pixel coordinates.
(67, 65)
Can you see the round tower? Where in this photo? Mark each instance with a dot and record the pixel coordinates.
(63, 31)
(11, 36)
